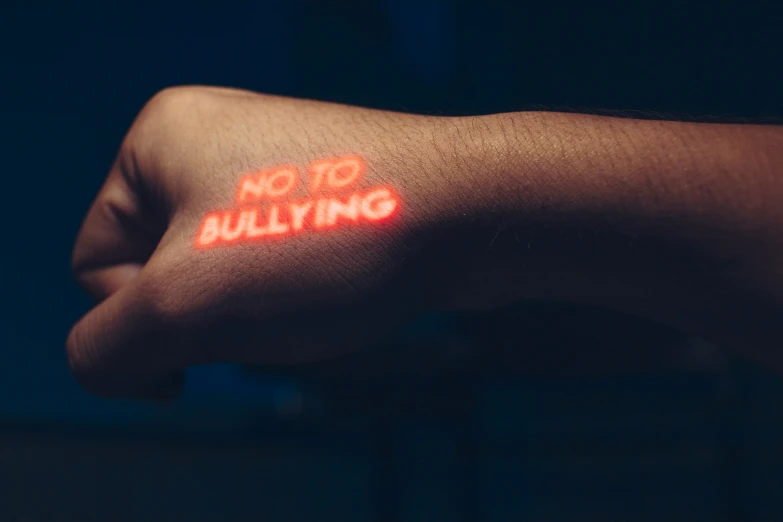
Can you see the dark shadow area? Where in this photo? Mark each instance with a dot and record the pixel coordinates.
(538, 412)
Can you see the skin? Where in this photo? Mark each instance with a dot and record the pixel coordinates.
(681, 223)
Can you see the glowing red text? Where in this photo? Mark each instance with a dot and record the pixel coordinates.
(261, 213)
(336, 173)
(271, 183)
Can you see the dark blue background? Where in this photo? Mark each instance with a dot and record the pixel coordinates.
(675, 431)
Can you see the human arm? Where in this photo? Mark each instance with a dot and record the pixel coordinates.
(676, 222)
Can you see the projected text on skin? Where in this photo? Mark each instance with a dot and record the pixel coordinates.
(264, 206)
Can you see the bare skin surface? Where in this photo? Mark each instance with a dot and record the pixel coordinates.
(679, 223)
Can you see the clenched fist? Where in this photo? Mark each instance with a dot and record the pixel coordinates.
(247, 228)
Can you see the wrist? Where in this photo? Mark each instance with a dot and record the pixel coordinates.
(671, 221)
(564, 206)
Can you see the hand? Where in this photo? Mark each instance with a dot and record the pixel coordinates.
(247, 228)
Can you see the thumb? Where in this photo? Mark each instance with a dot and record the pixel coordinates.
(110, 350)
(121, 230)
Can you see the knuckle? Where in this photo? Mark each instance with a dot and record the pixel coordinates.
(174, 95)
(175, 102)
(164, 303)
(157, 130)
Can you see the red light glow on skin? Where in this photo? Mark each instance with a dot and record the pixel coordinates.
(270, 183)
(280, 219)
(261, 213)
(336, 173)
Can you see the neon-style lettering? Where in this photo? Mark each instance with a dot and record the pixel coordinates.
(271, 183)
(226, 233)
(251, 187)
(210, 230)
(338, 172)
(348, 210)
(281, 181)
(378, 204)
(258, 217)
(320, 213)
(317, 171)
(275, 227)
(345, 172)
(253, 230)
(298, 214)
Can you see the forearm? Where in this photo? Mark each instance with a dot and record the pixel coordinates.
(676, 222)
(662, 219)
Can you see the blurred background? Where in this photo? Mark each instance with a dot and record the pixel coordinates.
(539, 412)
